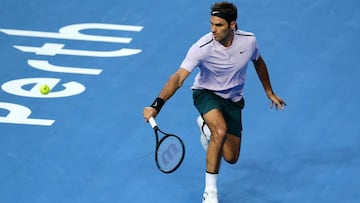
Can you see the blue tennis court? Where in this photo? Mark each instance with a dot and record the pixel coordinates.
(87, 142)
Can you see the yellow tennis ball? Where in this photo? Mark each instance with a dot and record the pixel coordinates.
(44, 89)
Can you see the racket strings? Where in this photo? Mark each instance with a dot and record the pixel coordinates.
(170, 153)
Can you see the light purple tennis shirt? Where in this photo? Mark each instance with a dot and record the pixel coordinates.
(222, 69)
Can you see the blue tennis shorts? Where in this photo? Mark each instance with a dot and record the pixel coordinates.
(206, 100)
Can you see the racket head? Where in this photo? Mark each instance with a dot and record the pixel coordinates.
(169, 154)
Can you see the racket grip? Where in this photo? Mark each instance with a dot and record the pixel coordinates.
(152, 122)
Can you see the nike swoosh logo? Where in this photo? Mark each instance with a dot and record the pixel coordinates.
(241, 52)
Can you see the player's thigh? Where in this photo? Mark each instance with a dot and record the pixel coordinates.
(216, 122)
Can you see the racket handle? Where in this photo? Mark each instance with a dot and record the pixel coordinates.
(152, 122)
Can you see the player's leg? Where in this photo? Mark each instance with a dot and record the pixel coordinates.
(208, 105)
(217, 125)
(231, 148)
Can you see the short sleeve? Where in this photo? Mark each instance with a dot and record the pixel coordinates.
(192, 59)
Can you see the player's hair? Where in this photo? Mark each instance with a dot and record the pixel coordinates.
(228, 11)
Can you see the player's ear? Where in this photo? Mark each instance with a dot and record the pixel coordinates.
(233, 25)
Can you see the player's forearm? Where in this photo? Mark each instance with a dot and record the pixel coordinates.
(171, 86)
(263, 74)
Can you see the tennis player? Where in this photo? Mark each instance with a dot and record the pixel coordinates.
(222, 57)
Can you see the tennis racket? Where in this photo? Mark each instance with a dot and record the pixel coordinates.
(170, 150)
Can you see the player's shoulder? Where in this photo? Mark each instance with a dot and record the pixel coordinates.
(244, 33)
(205, 40)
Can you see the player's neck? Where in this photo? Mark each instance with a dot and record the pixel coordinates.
(228, 40)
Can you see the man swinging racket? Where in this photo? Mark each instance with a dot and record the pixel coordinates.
(222, 57)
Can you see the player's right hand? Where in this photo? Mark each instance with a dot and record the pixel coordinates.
(149, 112)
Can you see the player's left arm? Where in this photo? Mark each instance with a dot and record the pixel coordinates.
(263, 74)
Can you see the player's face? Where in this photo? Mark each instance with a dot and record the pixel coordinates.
(222, 31)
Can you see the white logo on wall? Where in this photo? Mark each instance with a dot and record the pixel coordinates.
(19, 114)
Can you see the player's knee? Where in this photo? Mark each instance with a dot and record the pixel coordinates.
(219, 135)
(232, 159)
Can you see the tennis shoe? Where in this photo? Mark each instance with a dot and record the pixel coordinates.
(210, 197)
(205, 133)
